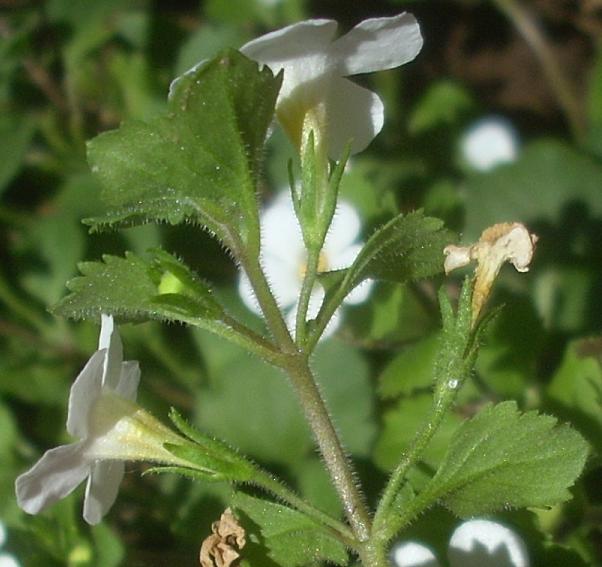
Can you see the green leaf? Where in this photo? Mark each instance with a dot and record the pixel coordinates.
(503, 459)
(130, 288)
(409, 247)
(291, 538)
(16, 133)
(410, 370)
(575, 392)
(198, 163)
(443, 105)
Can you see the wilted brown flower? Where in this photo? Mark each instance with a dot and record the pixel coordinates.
(504, 242)
(222, 547)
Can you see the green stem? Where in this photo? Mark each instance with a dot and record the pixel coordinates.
(421, 441)
(268, 304)
(325, 315)
(273, 485)
(559, 83)
(313, 258)
(337, 463)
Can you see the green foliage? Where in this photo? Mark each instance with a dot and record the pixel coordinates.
(16, 133)
(198, 163)
(130, 288)
(290, 538)
(558, 174)
(503, 459)
(575, 392)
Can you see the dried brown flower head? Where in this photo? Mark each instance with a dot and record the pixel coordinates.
(222, 547)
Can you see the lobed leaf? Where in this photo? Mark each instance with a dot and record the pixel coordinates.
(129, 288)
(503, 459)
(291, 538)
(199, 162)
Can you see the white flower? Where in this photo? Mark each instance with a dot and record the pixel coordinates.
(490, 142)
(315, 95)
(6, 559)
(111, 429)
(284, 258)
(476, 543)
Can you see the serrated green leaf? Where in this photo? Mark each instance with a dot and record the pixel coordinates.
(503, 459)
(129, 288)
(291, 538)
(198, 163)
(409, 247)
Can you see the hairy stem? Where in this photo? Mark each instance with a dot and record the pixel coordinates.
(313, 258)
(336, 460)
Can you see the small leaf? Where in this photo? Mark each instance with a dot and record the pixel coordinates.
(129, 288)
(292, 539)
(200, 162)
(503, 459)
(409, 247)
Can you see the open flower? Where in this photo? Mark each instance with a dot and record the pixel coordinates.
(490, 142)
(111, 429)
(476, 543)
(284, 258)
(315, 95)
(500, 243)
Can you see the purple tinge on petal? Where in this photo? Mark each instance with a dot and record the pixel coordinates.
(129, 380)
(102, 489)
(84, 393)
(378, 44)
(53, 477)
(355, 115)
(110, 339)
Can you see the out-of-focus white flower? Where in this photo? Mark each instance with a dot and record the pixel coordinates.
(500, 243)
(490, 142)
(315, 94)
(476, 543)
(284, 258)
(6, 559)
(111, 428)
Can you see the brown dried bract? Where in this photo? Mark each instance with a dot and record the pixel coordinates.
(222, 547)
(500, 243)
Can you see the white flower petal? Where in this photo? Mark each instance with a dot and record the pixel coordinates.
(284, 279)
(343, 232)
(102, 488)
(54, 476)
(345, 258)
(245, 290)
(482, 542)
(412, 554)
(7, 560)
(377, 44)
(2, 533)
(296, 41)
(110, 340)
(129, 380)
(354, 114)
(280, 231)
(490, 142)
(84, 393)
(360, 293)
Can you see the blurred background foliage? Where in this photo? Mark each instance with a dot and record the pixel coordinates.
(70, 69)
